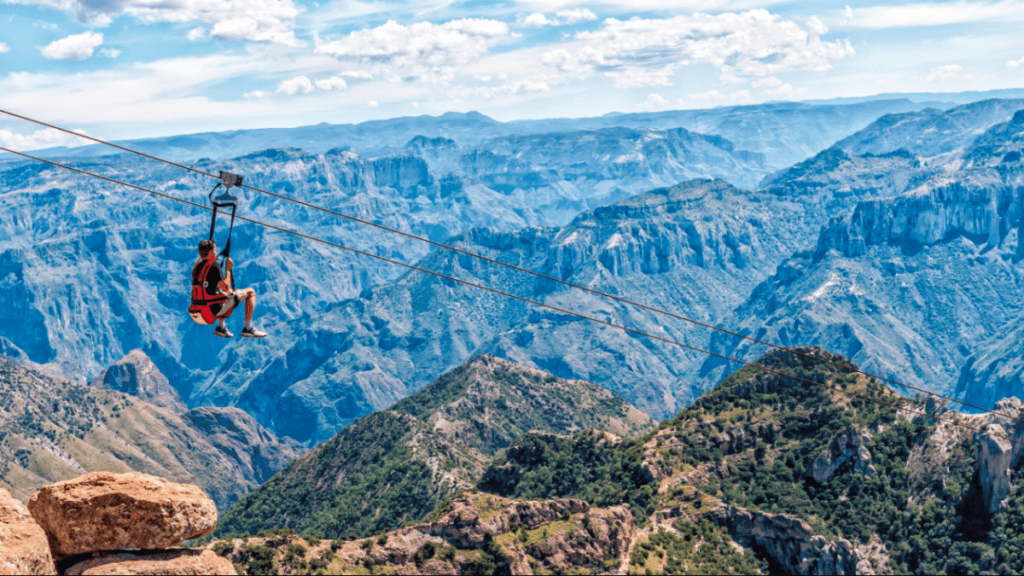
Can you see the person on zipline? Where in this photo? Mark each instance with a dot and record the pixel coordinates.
(219, 296)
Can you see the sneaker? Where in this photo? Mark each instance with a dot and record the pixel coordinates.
(250, 332)
(222, 331)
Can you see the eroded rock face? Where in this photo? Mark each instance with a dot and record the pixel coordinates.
(171, 562)
(23, 545)
(790, 542)
(997, 456)
(136, 374)
(107, 511)
(848, 446)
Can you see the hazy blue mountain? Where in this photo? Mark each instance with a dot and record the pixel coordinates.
(930, 132)
(785, 132)
(925, 288)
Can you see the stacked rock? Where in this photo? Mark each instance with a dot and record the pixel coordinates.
(23, 547)
(107, 523)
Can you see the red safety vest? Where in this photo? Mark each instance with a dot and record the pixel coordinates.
(201, 300)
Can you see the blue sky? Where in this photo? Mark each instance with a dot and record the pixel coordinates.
(135, 68)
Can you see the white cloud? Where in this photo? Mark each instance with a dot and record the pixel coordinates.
(935, 14)
(786, 91)
(770, 82)
(74, 47)
(816, 25)
(332, 83)
(537, 19)
(416, 105)
(196, 34)
(110, 52)
(948, 73)
(714, 98)
(297, 85)
(357, 74)
(561, 18)
(419, 51)
(41, 139)
(255, 94)
(1016, 63)
(645, 52)
(4, 48)
(251, 20)
(372, 104)
(655, 101)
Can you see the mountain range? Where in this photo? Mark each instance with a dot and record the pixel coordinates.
(88, 274)
(785, 132)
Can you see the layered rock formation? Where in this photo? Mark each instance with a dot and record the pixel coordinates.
(105, 523)
(923, 288)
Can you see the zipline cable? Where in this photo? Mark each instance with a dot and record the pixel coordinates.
(526, 271)
(526, 300)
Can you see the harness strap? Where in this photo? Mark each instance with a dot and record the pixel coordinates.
(199, 295)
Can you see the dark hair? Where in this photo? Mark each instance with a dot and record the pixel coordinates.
(204, 248)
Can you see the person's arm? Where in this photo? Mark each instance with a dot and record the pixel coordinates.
(225, 284)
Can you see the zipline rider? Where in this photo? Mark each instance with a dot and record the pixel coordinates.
(216, 293)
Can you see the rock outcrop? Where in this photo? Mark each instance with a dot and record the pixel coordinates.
(107, 511)
(23, 545)
(997, 456)
(848, 446)
(169, 562)
(791, 543)
(136, 374)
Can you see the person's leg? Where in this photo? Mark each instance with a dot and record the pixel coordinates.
(250, 305)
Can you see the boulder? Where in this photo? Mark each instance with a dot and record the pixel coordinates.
(107, 511)
(171, 562)
(23, 545)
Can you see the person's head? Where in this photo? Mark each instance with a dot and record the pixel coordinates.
(207, 248)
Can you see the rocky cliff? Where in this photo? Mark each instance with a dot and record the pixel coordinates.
(136, 375)
(918, 287)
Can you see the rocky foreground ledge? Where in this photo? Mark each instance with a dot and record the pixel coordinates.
(107, 523)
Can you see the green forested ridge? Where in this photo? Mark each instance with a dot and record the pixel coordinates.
(903, 489)
(752, 441)
(585, 466)
(394, 466)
